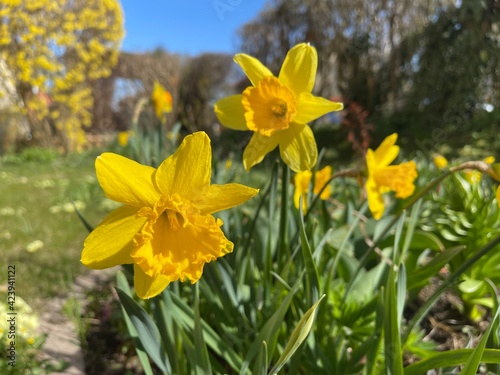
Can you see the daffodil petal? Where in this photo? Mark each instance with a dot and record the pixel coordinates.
(187, 172)
(182, 252)
(252, 67)
(311, 107)
(125, 181)
(387, 151)
(111, 242)
(222, 197)
(302, 181)
(147, 286)
(375, 200)
(298, 71)
(298, 147)
(258, 147)
(230, 112)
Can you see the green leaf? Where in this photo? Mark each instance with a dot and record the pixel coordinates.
(430, 269)
(418, 316)
(202, 358)
(141, 354)
(494, 339)
(183, 315)
(299, 334)
(312, 277)
(425, 240)
(401, 292)
(269, 331)
(449, 359)
(375, 340)
(392, 339)
(149, 338)
(472, 363)
(84, 221)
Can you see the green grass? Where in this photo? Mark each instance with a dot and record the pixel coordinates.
(35, 205)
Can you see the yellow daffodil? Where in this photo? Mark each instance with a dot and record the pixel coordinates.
(440, 161)
(383, 177)
(320, 180)
(489, 160)
(278, 109)
(302, 181)
(124, 136)
(162, 100)
(165, 228)
(473, 176)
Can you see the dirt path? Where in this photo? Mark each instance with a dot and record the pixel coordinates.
(63, 344)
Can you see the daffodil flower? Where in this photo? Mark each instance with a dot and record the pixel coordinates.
(474, 176)
(278, 109)
(165, 228)
(383, 177)
(302, 181)
(124, 136)
(440, 161)
(161, 100)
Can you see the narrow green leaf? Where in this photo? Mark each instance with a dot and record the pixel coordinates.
(183, 315)
(84, 221)
(432, 268)
(401, 292)
(375, 340)
(283, 224)
(298, 336)
(494, 339)
(396, 257)
(392, 339)
(142, 354)
(472, 363)
(449, 359)
(412, 224)
(149, 335)
(202, 358)
(343, 248)
(270, 330)
(265, 359)
(312, 277)
(422, 311)
(169, 335)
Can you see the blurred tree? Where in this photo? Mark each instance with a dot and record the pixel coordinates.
(54, 50)
(137, 73)
(357, 42)
(201, 77)
(412, 60)
(456, 68)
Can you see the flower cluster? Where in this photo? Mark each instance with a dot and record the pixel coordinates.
(27, 327)
(165, 227)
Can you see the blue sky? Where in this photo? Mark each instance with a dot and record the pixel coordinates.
(186, 26)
